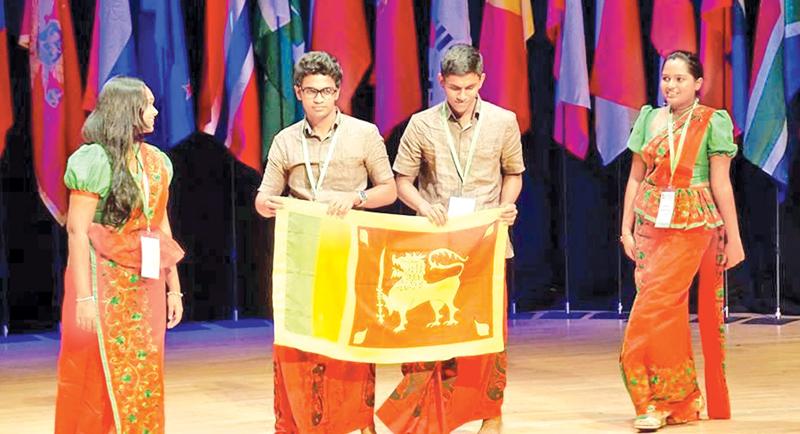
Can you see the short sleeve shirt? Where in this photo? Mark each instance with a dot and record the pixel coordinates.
(359, 156)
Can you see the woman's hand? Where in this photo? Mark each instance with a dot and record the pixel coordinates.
(629, 245)
(86, 315)
(174, 308)
(734, 253)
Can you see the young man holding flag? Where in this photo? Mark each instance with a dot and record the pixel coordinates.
(466, 155)
(327, 157)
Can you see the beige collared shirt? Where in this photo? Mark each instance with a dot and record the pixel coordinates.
(425, 154)
(360, 155)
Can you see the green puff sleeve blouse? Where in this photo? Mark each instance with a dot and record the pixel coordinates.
(89, 170)
(718, 139)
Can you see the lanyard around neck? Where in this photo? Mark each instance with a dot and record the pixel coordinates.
(675, 156)
(316, 184)
(462, 172)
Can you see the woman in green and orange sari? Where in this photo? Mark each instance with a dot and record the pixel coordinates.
(121, 260)
(679, 219)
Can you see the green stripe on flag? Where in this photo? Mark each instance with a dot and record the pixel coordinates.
(301, 264)
(769, 117)
(277, 43)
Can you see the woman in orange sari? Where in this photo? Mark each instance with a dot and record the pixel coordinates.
(121, 259)
(679, 219)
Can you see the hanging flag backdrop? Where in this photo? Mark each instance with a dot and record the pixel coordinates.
(56, 114)
(161, 40)
(565, 31)
(113, 49)
(774, 84)
(507, 25)
(397, 88)
(228, 104)
(449, 25)
(278, 43)
(384, 288)
(340, 28)
(618, 81)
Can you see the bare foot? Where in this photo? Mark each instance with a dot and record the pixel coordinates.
(492, 426)
(368, 430)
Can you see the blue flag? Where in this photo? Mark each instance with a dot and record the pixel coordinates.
(161, 47)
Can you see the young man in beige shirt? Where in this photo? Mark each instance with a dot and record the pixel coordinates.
(327, 157)
(465, 155)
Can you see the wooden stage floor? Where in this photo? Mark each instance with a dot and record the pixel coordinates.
(563, 378)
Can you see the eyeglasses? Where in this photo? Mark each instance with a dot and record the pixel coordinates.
(311, 92)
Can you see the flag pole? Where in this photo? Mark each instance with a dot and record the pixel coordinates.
(619, 225)
(777, 254)
(234, 244)
(725, 307)
(564, 200)
(4, 306)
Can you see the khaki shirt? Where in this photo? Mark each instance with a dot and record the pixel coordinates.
(425, 154)
(359, 155)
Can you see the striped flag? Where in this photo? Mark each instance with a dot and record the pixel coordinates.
(739, 64)
(113, 49)
(775, 81)
(6, 109)
(397, 88)
(278, 43)
(449, 26)
(618, 82)
(339, 27)
(507, 25)
(565, 31)
(228, 106)
(56, 113)
(349, 288)
(161, 39)
(673, 29)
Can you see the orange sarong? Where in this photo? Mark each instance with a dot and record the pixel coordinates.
(317, 394)
(438, 397)
(112, 381)
(656, 359)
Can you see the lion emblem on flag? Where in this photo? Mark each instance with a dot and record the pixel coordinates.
(412, 290)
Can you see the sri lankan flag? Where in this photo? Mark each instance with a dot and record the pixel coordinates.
(385, 288)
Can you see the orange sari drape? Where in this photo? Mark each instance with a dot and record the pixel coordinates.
(656, 359)
(112, 381)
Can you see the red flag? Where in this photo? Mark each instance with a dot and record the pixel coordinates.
(397, 88)
(228, 103)
(340, 28)
(507, 26)
(617, 80)
(565, 31)
(715, 49)
(56, 113)
(673, 26)
(6, 109)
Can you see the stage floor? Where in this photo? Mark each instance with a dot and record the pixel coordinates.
(563, 378)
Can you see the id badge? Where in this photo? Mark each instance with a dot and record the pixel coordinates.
(151, 257)
(665, 209)
(460, 206)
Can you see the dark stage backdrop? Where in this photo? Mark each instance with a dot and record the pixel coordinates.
(566, 235)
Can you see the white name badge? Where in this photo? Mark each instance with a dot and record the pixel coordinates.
(665, 209)
(460, 206)
(151, 257)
